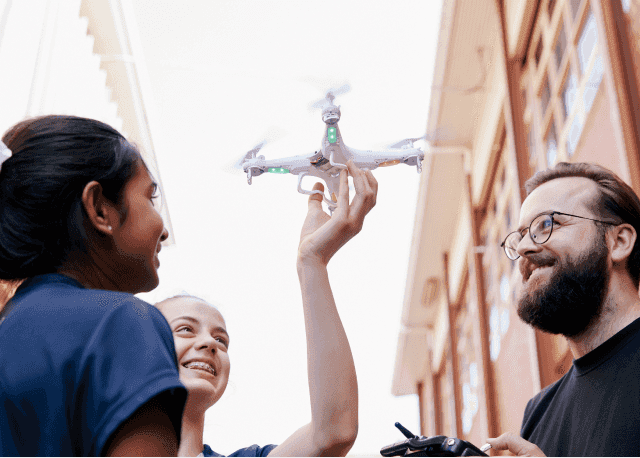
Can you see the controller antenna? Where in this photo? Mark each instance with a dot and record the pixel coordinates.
(408, 434)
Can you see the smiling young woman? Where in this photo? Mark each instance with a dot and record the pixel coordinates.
(202, 341)
(85, 368)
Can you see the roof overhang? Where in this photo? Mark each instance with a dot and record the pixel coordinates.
(460, 89)
(441, 194)
(112, 24)
(440, 198)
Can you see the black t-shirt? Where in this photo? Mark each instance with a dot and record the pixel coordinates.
(594, 409)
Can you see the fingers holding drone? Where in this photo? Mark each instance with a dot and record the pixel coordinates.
(366, 191)
(315, 199)
(343, 192)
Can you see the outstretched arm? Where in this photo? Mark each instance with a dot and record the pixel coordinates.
(333, 387)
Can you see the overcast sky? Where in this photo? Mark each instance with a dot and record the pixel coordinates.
(225, 74)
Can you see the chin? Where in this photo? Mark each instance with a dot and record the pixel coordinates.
(201, 392)
(151, 283)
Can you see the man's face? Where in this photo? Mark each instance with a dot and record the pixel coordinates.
(564, 281)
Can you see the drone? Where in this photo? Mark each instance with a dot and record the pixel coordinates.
(331, 159)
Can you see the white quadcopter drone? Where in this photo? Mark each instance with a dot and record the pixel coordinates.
(333, 155)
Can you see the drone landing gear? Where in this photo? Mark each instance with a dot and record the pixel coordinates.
(330, 203)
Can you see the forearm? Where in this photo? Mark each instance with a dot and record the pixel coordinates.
(333, 386)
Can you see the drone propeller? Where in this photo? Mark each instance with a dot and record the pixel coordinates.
(272, 134)
(441, 133)
(407, 142)
(331, 95)
(253, 151)
(236, 165)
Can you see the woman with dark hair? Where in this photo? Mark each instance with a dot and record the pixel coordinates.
(85, 367)
(88, 369)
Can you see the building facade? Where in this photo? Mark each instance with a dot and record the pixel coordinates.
(519, 85)
(76, 57)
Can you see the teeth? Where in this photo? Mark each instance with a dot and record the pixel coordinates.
(200, 365)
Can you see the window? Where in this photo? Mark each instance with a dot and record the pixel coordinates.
(469, 376)
(591, 87)
(574, 135)
(498, 270)
(552, 145)
(587, 42)
(538, 53)
(545, 96)
(561, 45)
(575, 8)
(564, 82)
(569, 93)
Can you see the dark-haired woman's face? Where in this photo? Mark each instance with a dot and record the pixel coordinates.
(138, 237)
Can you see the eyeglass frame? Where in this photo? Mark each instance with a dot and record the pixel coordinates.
(550, 214)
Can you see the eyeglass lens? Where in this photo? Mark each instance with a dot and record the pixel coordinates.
(540, 231)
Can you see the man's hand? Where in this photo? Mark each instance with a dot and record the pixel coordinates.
(515, 444)
(322, 236)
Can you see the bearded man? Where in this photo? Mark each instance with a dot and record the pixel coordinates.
(579, 256)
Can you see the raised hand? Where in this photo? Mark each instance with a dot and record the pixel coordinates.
(323, 235)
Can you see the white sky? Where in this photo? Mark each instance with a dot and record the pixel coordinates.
(222, 74)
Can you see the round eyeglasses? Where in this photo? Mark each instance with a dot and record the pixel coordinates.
(540, 231)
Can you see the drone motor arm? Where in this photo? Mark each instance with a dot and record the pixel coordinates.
(372, 159)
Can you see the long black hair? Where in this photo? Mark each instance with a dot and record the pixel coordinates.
(41, 184)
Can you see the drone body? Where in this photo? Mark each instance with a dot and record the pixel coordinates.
(332, 157)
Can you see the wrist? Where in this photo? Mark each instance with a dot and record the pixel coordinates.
(307, 262)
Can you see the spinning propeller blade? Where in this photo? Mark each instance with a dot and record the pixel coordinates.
(236, 165)
(272, 134)
(441, 133)
(331, 95)
(406, 141)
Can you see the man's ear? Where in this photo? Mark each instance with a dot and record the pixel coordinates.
(102, 213)
(623, 239)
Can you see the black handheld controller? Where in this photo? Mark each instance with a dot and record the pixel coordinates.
(430, 446)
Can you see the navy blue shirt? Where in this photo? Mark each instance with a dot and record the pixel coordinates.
(252, 450)
(76, 363)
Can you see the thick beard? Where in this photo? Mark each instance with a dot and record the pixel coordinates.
(573, 298)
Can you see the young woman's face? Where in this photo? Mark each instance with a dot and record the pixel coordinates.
(201, 342)
(138, 237)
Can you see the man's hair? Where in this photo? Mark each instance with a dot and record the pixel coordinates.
(616, 200)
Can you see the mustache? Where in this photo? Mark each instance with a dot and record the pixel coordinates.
(529, 263)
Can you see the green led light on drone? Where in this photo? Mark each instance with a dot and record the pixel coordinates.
(278, 170)
(332, 135)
